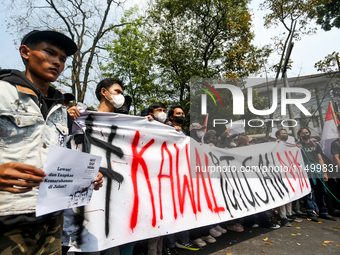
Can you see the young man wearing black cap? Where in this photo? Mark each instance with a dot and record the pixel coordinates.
(68, 97)
(73, 111)
(31, 119)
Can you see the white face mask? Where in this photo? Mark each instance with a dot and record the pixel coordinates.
(161, 117)
(200, 133)
(117, 100)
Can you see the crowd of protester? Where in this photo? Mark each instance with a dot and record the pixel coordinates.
(44, 54)
(320, 203)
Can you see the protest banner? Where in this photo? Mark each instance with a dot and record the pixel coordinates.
(159, 181)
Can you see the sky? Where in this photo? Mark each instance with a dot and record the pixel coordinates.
(305, 53)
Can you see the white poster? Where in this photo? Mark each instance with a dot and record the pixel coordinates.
(236, 127)
(69, 181)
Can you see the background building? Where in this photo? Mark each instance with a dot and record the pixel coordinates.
(323, 88)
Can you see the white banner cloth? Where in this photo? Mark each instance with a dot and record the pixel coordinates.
(151, 190)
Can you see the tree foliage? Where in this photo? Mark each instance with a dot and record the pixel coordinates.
(132, 60)
(287, 12)
(331, 63)
(295, 16)
(86, 22)
(202, 38)
(327, 13)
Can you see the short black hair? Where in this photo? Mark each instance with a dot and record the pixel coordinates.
(300, 130)
(107, 83)
(208, 135)
(155, 106)
(277, 133)
(172, 110)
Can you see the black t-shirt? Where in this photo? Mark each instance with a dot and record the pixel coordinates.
(225, 141)
(335, 147)
(311, 150)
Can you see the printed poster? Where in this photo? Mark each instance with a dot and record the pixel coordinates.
(69, 180)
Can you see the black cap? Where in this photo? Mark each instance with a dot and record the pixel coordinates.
(144, 112)
(67, 96)
(58, 38)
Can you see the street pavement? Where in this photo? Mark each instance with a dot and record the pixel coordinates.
(307, 237)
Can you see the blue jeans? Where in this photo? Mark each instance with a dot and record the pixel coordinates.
(316, 208)
(169, 240)
(318, 191)
(127, 249)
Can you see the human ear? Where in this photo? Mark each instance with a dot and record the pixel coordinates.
(102, 91)
(24, 52)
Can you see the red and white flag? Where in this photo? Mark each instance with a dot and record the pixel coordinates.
(329, 132)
